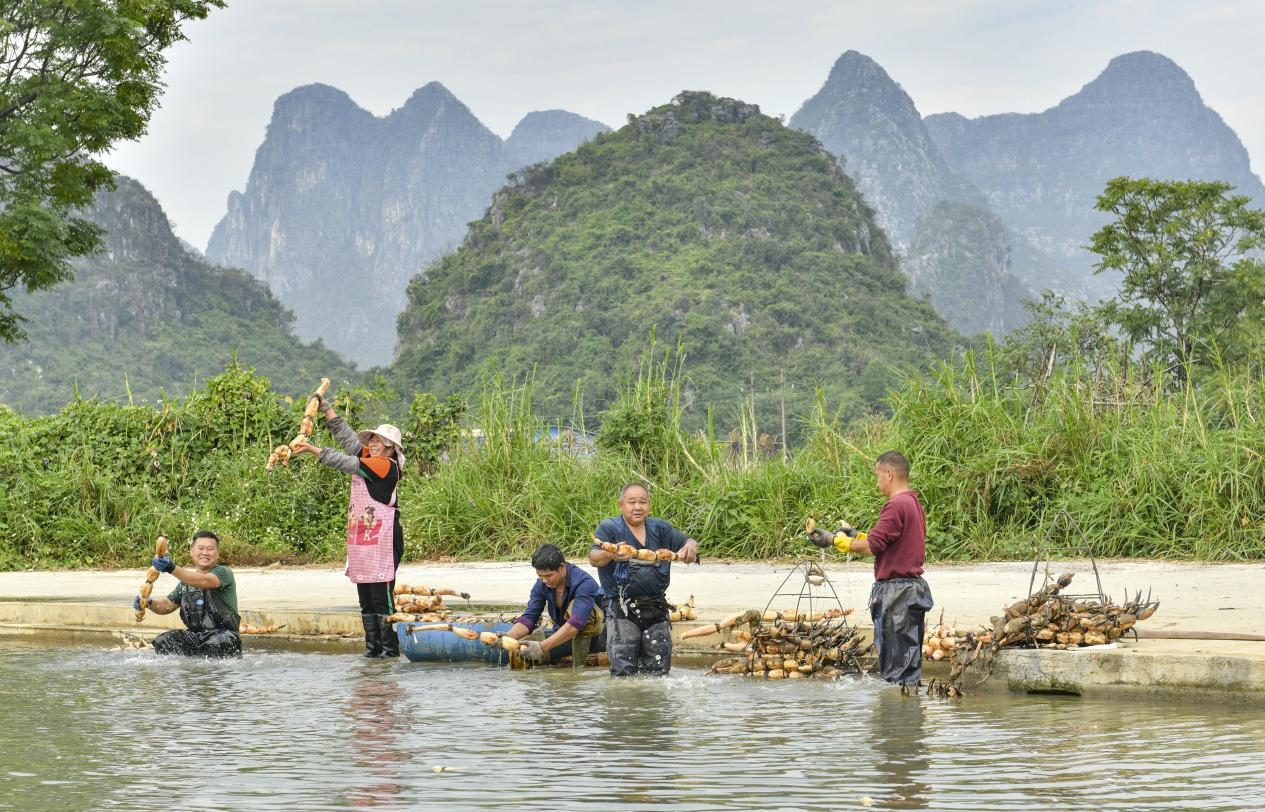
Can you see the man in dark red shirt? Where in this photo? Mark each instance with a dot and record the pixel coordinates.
(900, 599)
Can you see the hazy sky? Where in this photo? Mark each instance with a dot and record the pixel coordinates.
(606, 58)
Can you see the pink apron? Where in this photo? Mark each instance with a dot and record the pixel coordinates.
(370, 535)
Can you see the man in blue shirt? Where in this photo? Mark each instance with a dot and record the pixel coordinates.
(640, 639)
(570, 594)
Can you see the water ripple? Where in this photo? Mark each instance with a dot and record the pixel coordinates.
(95, 729)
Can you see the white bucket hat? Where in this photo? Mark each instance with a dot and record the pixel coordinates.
(389, 433)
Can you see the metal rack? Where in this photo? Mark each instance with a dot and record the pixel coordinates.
(812, 580)
(1048, 547)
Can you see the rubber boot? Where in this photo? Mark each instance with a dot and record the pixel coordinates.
(390, 640)
(373, 636)
(580, 651)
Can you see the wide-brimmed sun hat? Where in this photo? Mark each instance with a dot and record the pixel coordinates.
(386, 431)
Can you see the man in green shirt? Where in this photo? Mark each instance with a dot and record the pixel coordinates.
(207, 600)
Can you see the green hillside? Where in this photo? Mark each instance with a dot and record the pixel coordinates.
(147, 315)
(702, 220)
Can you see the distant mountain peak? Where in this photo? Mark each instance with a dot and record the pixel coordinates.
(1140, 78)
(854, 64)
(135, 224)
(1146, 62)
(866, 118)
(430, 93)
(338, 197)
(865, 85)
(1141, 116)
(691, 217)
(314, 95)
(537, 135)
(551, 118)
(427, 102)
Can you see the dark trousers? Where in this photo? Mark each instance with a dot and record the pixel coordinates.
(633, 650)
(215, 643)
(898, 607)
(376, 598)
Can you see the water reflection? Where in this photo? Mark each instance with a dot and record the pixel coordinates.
(378, 715)
(901, 758)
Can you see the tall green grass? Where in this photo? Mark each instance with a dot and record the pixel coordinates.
(1143, 469)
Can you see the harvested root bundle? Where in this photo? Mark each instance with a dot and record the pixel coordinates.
(151, 575)
(683, 612)
(281, 454)
(247, 628)
(1045, 619)
(460, 631)
(419, 603)
(503, 641)
(417, 617)
(427, 592)
(639, 553)
(790, 645)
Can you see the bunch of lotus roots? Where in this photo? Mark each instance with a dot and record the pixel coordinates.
(790, 644)
(684, 611)
(421, 604)
(281, 454)
(1045, 619)
(151, 575)
(639, 553)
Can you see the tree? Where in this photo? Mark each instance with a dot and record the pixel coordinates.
(1057, 333)
(75, 77)
(1191, 288)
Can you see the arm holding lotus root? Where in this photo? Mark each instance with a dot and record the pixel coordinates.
(282, 453)
(688, 553)
(847, 539)
(160, 606)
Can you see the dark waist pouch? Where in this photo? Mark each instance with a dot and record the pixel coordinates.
(644, 611)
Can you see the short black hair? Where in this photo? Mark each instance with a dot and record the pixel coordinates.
(548, 557)
(895, 462)
(204, 534)
(624, 490)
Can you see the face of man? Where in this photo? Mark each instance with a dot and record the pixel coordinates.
(205, 553)
(553, 578)
(887, 480)
(635, 505)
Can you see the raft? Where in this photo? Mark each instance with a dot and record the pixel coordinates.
(446, 647)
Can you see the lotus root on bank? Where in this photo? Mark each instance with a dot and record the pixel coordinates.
(1045, 619)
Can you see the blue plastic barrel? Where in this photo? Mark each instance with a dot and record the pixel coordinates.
(446, 647)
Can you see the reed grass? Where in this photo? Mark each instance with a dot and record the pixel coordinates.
(1144, 470)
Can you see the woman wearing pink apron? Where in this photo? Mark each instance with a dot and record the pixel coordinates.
(375, 540)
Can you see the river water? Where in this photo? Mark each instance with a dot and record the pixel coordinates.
(90, 728)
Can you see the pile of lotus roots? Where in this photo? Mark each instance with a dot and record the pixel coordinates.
(1045, 619)
(421, 604)
(790, 645)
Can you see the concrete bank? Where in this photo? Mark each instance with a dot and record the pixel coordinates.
(317, 604)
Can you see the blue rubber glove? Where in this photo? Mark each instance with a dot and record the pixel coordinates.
(136, 603)
(163, 564)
